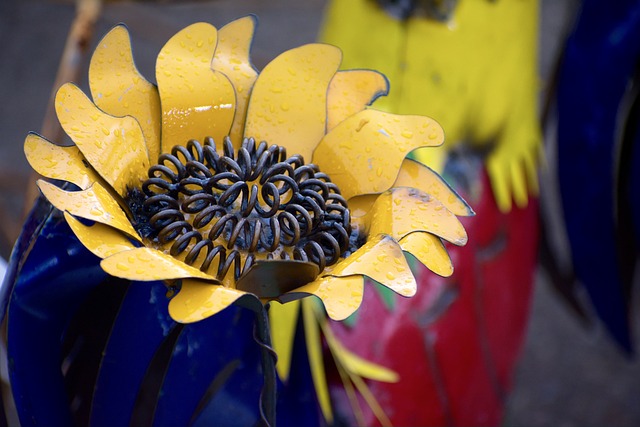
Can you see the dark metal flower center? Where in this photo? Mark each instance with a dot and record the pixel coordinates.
(227, 211)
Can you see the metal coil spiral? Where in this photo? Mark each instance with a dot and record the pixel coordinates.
(212, 206)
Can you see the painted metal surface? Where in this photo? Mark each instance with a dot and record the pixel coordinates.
(595, 148)
(173, 355)
(110, 346)
(455, 343)
(474, 74)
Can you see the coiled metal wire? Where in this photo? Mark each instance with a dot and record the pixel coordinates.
(211, 206)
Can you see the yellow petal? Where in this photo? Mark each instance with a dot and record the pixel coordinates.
(102, 240)
(148, 264)
(381, 259)
(361, 205)
(118, 88)
(415, 174)
(196, 100)
(429, 250)
(354, 364)
(198, 300)
(403, 210)
(341, 296)
(365, 369)
(232, 59)
(95, 203)
(364, 152)
(288, 104)
(314, 350)
(114, 146)
(57, 162)
(351, 91)
(435, 157)
(283, 319)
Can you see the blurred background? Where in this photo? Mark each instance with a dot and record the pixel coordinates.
(570, 373)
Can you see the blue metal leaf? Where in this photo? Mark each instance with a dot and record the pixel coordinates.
(599, 61)
(141, 326)
(56, 273)
(219, 349)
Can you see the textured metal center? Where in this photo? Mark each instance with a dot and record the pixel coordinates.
(218, 211)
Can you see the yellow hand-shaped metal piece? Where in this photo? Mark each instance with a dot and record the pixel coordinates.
(475, 75)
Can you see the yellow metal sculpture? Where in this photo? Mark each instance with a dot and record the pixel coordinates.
(475, 74)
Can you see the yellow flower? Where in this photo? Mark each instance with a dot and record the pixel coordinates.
(231, 208)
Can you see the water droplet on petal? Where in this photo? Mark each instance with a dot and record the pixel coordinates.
(122, 267)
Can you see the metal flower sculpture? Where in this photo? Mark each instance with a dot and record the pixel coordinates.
(232, 185)
(229, 215)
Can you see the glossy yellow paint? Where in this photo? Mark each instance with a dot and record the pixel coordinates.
(57, 162)
(102, 240)
(283, 320)
(364, 152)
(381, 259)
(95, 203)
(288, 104)
(416, 175)
(118, 88)
(403, 210)
(341, 296)
(114, 146)
(429, 250)
(361, 205)
(196, 101)
(232, 59)
(199, 299)
(475, 75)
(316, 363)
(148, 264)
(350, 91)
